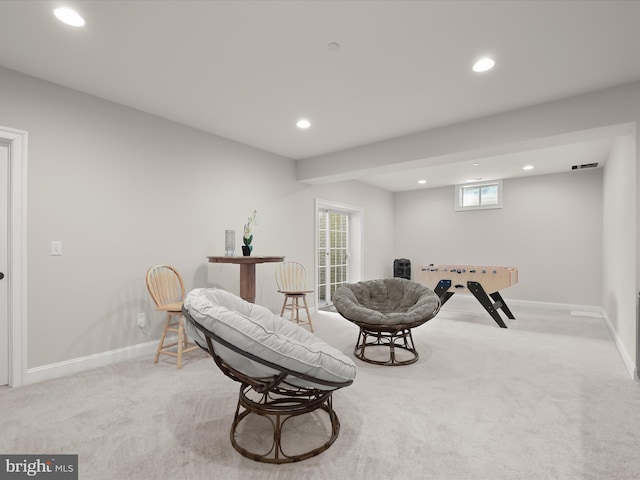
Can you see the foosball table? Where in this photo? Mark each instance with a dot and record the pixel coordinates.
(483, 283)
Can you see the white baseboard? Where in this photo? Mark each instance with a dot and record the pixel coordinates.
(76, 365)
(626, 358)
(591, 309)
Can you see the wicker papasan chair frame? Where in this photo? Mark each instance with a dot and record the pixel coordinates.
(278, 397)
(386, 310)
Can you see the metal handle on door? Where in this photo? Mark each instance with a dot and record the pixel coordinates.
(1, 275)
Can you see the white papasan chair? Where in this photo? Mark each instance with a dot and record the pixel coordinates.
(284, 370)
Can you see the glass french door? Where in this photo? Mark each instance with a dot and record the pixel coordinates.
(333, 253)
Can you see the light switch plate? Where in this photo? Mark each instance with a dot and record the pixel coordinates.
(56, 248)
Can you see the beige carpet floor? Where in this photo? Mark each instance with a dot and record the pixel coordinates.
(547, 398)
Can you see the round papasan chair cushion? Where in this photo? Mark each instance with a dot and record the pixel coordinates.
(386, 302)
(257, 331)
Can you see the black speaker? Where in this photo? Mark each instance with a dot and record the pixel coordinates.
(402, 268)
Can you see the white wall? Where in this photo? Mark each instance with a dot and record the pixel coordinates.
(124, 190)
(619, 209)
(550, 228)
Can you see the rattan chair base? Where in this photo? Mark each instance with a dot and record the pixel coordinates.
(391, 338)
(278, 408)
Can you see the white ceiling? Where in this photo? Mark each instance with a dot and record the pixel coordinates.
(248, 70)
(544, 160)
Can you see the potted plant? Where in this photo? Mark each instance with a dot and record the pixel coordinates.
(247, 238)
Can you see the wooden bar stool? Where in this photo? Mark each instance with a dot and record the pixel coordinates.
(166, 288)
(291, 278)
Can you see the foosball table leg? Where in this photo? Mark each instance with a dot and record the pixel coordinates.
(476, 289)
(500, 303)
(441, 291)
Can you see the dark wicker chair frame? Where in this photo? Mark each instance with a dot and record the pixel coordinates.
(274, 398)
(391, 336)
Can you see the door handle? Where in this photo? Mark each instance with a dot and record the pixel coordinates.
(1, 275)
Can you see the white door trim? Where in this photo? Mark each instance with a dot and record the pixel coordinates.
(17, 271)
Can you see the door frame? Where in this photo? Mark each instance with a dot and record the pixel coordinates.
(17, 253)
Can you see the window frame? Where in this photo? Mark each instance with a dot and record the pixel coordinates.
(458, 191)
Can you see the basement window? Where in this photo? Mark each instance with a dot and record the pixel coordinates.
(478, 196)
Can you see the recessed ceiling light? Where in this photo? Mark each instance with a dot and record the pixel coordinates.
(422, 181)
(483, 65)
(528, 167)
(303, 123)
(334, 46)
(69, 16)
(476, 164)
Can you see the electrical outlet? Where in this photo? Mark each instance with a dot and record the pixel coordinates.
(142, 320)
(56, 248)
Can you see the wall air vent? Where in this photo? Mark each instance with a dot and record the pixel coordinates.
(584, 165)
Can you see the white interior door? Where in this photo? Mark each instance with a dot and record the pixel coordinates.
(4, 262)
